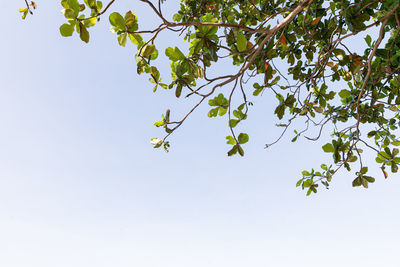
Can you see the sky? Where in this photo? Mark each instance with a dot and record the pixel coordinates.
(80, 184)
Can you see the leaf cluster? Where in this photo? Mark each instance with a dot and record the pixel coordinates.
(294, 50)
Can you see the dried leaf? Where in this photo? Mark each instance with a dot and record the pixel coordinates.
(266, 65)
(384, 172)
(283, 40)
(315, 21)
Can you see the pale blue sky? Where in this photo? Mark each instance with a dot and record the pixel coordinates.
(81, 186)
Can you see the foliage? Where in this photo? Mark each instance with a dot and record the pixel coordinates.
(326, 85)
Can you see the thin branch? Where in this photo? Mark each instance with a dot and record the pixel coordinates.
(369, 63)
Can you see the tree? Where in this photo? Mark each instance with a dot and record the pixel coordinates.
(326, 84)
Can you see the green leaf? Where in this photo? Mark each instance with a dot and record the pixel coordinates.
(364, 170)
(233, 151)
(83, 33)
(233, 123)
(131, 21)
(258, 91)
(154, 55)
(240, 150)
(241, 42)
(91, 3)
(368, 40)
(117, 21)
(371, 134)
(90, 22)
(369, 179)
(394, 167)
(380, 159)
(364, 182)
(66, 30)
(314, 188)
(243, 138)
(24, 12)
(174, 54)
(344, 93)
(357, 181)
(163, 85)
(307, 183)
(159, 123)
(148, 50)
(222, 111)
(212, 102)
(136, 39)
(230, 140)
(328, 148)
(74, 4)
(213, 112)
(381, 52)
(238, 114)
(340, 53)
(396, 143)
(99, 5)
(122, 39)
(177, 17)
(309, 191)
(69, 13)
(64, 3)
(178, 90)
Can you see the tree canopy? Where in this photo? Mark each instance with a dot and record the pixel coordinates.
(351, 95)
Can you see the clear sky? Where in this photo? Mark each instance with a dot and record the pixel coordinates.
(80, 184)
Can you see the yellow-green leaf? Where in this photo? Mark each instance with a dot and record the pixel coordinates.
(241, 42)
